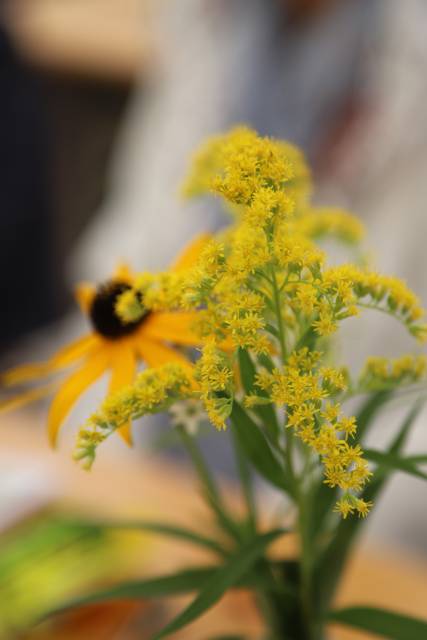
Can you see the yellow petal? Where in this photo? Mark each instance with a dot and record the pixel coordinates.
(172, 327)
(27, 397)
(75, 350)
(62, 358)
(188, 257)
(123, 363)
(156, 354)
(84, 293)
(24, 372)
(123, 273)
(72, 388)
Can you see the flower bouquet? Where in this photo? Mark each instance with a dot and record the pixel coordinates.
(240, 330)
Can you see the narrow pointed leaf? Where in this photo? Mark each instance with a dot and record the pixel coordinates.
(181, 582)
(170, 530)
(418, 459)
(369, 411)
(385, 624)
(224, 578)
(271, 329)
(390, 461)
(209, 487)
(257, 448)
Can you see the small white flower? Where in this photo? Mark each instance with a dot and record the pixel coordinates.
(188, 414)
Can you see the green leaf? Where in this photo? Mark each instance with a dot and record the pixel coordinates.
(266, 362)
(390, 461)
(420, 458)
(224, 578)
(307, 339)
(247, 370)
(169, 585)
(265, 412)
(272, 329)
(245, 476)
(382, 622)
(330, 564)
(173, 531)
(322, 500)
(399, 441)
(369, 411)
(257, 448)
(208, 485)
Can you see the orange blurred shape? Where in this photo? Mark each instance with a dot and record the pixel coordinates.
(124, 619)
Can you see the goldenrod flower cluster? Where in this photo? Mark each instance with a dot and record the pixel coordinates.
(215, 377)
(264, 286)
(153, 391)
(239, 163)
(331, 222)
(307, 390)
(383, 373)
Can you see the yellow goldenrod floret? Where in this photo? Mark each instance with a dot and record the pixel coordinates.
(329, 221)
(268, 205)
(296, 252)
(347, 425)
(333, 379)
(363, 507)
(381, 372)
(326, 324)
(212, 257)
(215, 378)
(307, 297)
(352, 287)
(299, 187)
(249, 251)
(331, 412)
(348, 504)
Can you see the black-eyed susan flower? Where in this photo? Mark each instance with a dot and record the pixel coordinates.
(113, 345)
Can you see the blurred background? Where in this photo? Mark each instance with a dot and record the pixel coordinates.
(103, 102)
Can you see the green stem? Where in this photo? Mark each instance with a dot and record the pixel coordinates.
(246, 483)
(282, 341)
(270, 615)
(300, 495)
(278, 309)
(208, 484)
(304, 495)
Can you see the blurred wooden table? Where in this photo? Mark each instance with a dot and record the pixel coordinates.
(125, 484)
(105, 39)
